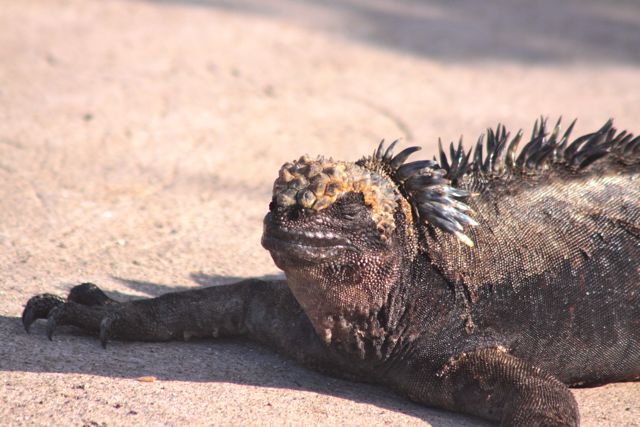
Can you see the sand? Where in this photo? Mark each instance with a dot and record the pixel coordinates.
(139, 142)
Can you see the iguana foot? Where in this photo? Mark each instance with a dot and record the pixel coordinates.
(39, 307)
(210, 312)
(86, 307)
(543, 408)
(518, 393)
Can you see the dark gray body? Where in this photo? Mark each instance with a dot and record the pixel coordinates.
(561, 289)
(547, 296)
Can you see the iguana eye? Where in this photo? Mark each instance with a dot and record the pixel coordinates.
(350, 207)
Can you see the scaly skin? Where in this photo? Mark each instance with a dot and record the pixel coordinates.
(482, 285)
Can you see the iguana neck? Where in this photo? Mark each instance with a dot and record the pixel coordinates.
(348, 309)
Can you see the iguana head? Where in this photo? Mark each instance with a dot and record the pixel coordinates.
(342, 231)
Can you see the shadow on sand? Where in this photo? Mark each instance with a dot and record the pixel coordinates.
(545, 31)
(226, 360)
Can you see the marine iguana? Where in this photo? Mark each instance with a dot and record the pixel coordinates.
(483, 282)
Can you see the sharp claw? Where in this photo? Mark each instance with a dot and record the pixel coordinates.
(105, 328)
(51, 326)
(52, 320)
(28, 317)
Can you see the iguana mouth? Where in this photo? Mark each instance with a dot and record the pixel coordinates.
(308, 245)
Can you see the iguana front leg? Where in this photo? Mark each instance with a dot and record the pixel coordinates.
(197, 313)
(492, 384)
(264, 311)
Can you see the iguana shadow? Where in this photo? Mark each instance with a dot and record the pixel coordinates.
(236, 361)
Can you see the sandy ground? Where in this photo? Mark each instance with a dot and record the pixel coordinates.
(139, 142)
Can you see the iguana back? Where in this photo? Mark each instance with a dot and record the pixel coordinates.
(554, 274)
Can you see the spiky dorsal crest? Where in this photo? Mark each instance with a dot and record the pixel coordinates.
(427, 189)
(430, 187)
(544, 149)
